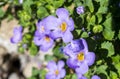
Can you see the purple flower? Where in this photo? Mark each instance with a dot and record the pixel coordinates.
(43, 37)
(79, 60)
(62, 26)
(20, 1)
(79, 76)
(17, 35)
(45, 42)
(56, 71)
(41, 28)
(80, 9)
(95, 77)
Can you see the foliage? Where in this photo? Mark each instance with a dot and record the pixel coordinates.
(99, 23)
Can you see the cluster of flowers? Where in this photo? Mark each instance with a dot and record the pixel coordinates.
(79, 60)
(52, 28)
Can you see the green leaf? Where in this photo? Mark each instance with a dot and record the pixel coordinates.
(113, 75)
(101, 69)
(57, 52)
(32, 77)
(58, 3)
(1, 13)
(49, 57)
(102, 10)
(117, 66)
(104, 3)
(42, 12)
(119, 34)
(42, 73)
(109, 46)
(74, 76)
(33, 49)
(21, 49)
(99, 17)
(92, 20)
(116, 59)
(97, 28)
(108, 34)
(84, 35)
(26, 6)
(89, 3)
(35, 72)
(108, 23)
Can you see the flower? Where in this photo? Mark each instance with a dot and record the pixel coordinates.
(46, 25)
(81, 76)
(20, 1)
(63, 25)
(44, 41)
(56, 71)
(17, 35)
(42, 37)
(80, 10)
(95, 77)
(79, 57)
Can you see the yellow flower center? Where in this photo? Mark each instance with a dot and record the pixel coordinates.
(42, 29)
(56, 72)
(63, 27)
(47, 39)
(80, 56)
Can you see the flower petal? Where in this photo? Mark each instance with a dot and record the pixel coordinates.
(77, 45)
(16, 38)
(62, 13)
(60, 64)
(90, 58)
(95, 77)
(85, 45)
(83, 77)
(82, 69)
(50, 75)
(70, 24)
(55, 34)
(67, 36)
(52, 66)
(37, 40)
(72, 63)
(45, 46)
(17, 29)
(62, 73)
(51, 22)
(79, 75)
(67, 51)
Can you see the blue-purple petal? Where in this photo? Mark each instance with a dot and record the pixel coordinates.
(90, 58)
(37, 40)
(95, 77)
(72, 63)
(62, 73)
(51, 66)
(55, 34)
(62, 13)
(80, 9)
(77, 45)
(85, 45)
(70, 24)
(51, 22)
(60, 64)
(49, 75)
(83, 77)
(16, 38)
(67, 36)
(82, 69)
(45, 46)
